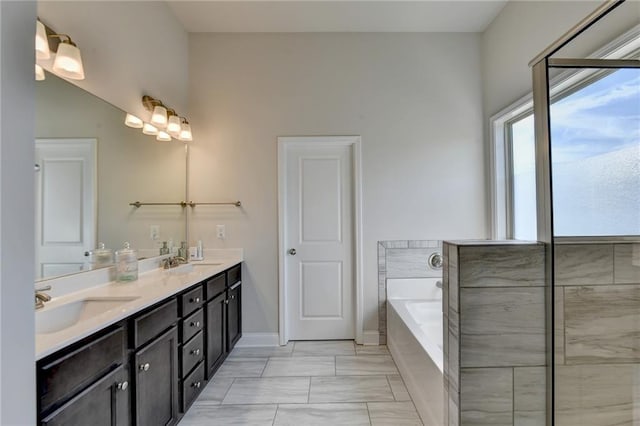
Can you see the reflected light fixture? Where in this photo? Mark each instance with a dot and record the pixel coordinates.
(132, 121)
(68, 62)
(42, 42)
(163, 136)
(39, 73)
(149, 129)
(185, 131)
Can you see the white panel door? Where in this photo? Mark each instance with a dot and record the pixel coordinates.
(65, 204)
(319, 242)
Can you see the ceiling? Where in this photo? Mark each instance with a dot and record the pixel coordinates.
(336, 16)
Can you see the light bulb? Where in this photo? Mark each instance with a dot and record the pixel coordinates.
(42, 42)
(39, 73)
(159, 117)
(149, 129)
(185, 132)
(173, 125)
(163, 136)
(133, 121)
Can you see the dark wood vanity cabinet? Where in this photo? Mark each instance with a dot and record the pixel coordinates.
(145, 370)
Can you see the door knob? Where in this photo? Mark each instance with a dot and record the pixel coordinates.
(292, 252)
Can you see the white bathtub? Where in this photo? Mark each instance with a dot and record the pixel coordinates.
(414, 337)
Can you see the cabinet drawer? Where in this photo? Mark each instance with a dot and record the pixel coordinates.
(192, 385)
(192, 324)
(192, 353)
(233, 275)
(149, 325)
(61, 377)
(191, 300)
(216, 285)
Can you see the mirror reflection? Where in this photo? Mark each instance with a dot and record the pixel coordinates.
(89, 168)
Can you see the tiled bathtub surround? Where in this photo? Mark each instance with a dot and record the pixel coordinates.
(494, 325)
(402, 259)
(597, 330)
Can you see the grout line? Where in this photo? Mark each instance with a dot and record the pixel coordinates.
(368, 413)
(309, 392)
(275, 415)
(390, 388)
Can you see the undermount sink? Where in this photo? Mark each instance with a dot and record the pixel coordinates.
(63, 316)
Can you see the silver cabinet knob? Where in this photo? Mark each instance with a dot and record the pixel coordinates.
(195, 352)
(145, 367)
(292, 252)
(226, 302)
(233, 296)
(196, 385)
(123, 386)
(195, 324)
(195, 300)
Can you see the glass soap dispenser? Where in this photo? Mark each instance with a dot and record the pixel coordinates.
(126, 264)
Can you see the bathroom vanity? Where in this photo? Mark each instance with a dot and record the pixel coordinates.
(145, 350)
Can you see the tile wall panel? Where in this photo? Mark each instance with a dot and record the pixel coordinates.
(486, 396)
(497, 266)
(583, 264)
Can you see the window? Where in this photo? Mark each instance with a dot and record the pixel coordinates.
(595, 140)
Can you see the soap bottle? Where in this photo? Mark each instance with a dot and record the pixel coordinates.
(126, 264)
(164, 249)
(101, 256)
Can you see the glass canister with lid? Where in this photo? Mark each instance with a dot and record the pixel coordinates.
(126, 264)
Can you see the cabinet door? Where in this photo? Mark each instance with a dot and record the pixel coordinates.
(157, 381)
(216, 333)
(234, 315)
(104, 403)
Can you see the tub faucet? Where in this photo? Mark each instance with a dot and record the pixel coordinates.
(42, 297)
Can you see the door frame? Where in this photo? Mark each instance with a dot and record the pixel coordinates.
(284, 142)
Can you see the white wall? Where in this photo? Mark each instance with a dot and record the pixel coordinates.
(414, 98)
(129, 49)
(17, 347)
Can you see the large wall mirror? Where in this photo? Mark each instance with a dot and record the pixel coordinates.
(89, 168)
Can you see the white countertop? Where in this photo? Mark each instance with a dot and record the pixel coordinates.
(150, 287)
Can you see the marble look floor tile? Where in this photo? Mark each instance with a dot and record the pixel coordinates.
(398, 388)
(242, 367)
(262, 351)
(215, 391)
(393, 414)
(322, 414)
(362, 365)
(580, 264)
(268, 390)
(372, 350)
(601, 324)
(350, 389)
(497, 266)
(626, 265)
(486, 396)
(229, 415)
(300, 366)
(327, 347)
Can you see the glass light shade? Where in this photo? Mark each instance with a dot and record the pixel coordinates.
(42, 42)
(39, 73)
(163, 136)
(173, 126)
(159, 116)
(149, 129)
(68, 62)
(132, 121)
(185, 132)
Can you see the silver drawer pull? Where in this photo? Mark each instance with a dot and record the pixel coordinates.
(145, 367)
(195, 324)
(196, 385)
(194, 300)
(195, 352)
(123, 386)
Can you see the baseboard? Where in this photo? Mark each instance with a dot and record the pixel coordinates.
(371, 337)
(258, 339)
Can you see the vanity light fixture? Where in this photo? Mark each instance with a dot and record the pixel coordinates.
(68, 62)
(163, 136)
(159, 116)
(39, 73)
(149, 129)
(185, 131)
(42, 42)
(173, 125)
(132, 121)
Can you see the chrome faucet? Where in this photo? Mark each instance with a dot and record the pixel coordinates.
(173, 261)
(42, 297)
